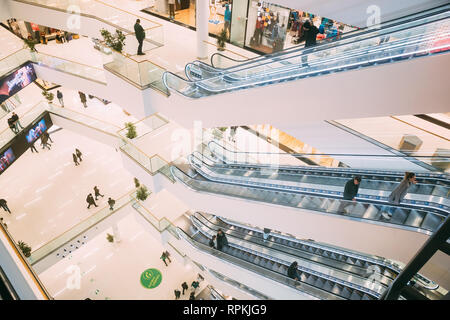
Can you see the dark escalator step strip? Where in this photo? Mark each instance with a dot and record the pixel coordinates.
(366, 297)
(337, 288)
(358, 263)
(319, 283)
(328, 285)
(346, 293)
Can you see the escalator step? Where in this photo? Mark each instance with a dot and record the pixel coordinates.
(311, 279)
(337, 288)
(358, 263)
(346, 293)
(327, 286)
(319, 283)
(350, 260)
(366, 297)
(355, 295)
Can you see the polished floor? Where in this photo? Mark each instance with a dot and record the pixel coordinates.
(111, 271)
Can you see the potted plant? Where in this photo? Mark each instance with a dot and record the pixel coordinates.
(116, 41)
(142, 193)
(136, 182)
(48, 96)
(109, 237)
(26, 249)
(131, 133)
(221, 39)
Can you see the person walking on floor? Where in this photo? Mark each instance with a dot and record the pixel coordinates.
(140, 36)
(211, 242)
(400, 192)
(184, 286)
(4, 205)
(15, 118)
(192, 296)
(44, 142)
(111, 203)
(195, 285)
(90, 200)
(221, 240)
(47, 135)
(75, 159)
(78, 154)
(82, 98)
(163, 258)
(59, 95)
(97, 193)
(292, 271)
(33, 148)
(350, 192)
(177, 294)
(168, 256)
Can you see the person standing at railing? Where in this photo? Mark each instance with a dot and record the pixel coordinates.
(400, 192)
(4, 205)
(350, 192)
(140, 36)
(59, 95)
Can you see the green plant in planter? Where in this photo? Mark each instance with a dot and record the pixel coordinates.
(136, 182)
(26, 249)
(142, 193)
(221, 39)
(109, 237)
(131, 133)
(48, 95)
(116, 41)
(30, 44)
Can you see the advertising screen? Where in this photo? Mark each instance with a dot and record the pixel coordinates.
(36, 131)
(16, 81)
(6, 158)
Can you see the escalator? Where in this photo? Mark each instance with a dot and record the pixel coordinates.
(419, 38)
(405, 216)
(431, 190)
(220, 63)
(373, 268)
(313, 283)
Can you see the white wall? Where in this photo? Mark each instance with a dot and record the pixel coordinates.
(73, 81)
(5, 13)
(330, 139)
(353, 12)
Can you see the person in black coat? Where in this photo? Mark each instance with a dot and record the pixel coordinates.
(140, 36)
(78, 154)
(90, 200)
(97, 193)
(184, 286)
(310, 32)
(4, 205)
(221, 240)
(177, 294)
(350, 192)
(292, 271)
(74, 156)
(211, 242)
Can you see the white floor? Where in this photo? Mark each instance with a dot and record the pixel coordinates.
(113, 270)
(46, 192)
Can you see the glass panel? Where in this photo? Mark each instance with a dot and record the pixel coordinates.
(238, 22)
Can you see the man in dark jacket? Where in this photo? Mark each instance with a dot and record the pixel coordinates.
(350, 192)
(211, 241)
(12, 126)
(140, 36)
(4, 205)
(221, 240)
(15, 118)
(90, 200)
(292, 271)
(184, 286)
(111, 203)
(82, 98)
(310, 32)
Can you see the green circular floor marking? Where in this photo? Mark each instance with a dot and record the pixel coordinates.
(151, 278)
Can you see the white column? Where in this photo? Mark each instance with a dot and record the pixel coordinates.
(116, 232)
(201, 18)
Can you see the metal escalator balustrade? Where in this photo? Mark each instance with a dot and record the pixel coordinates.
(407, 44)
(421, 194)
(404, 218)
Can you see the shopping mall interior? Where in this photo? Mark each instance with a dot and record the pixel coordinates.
(127, 174)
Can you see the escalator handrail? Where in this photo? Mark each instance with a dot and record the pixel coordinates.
(174, 171)
(445, 176)
(227, 258)
(386, 24)
(434, 209)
